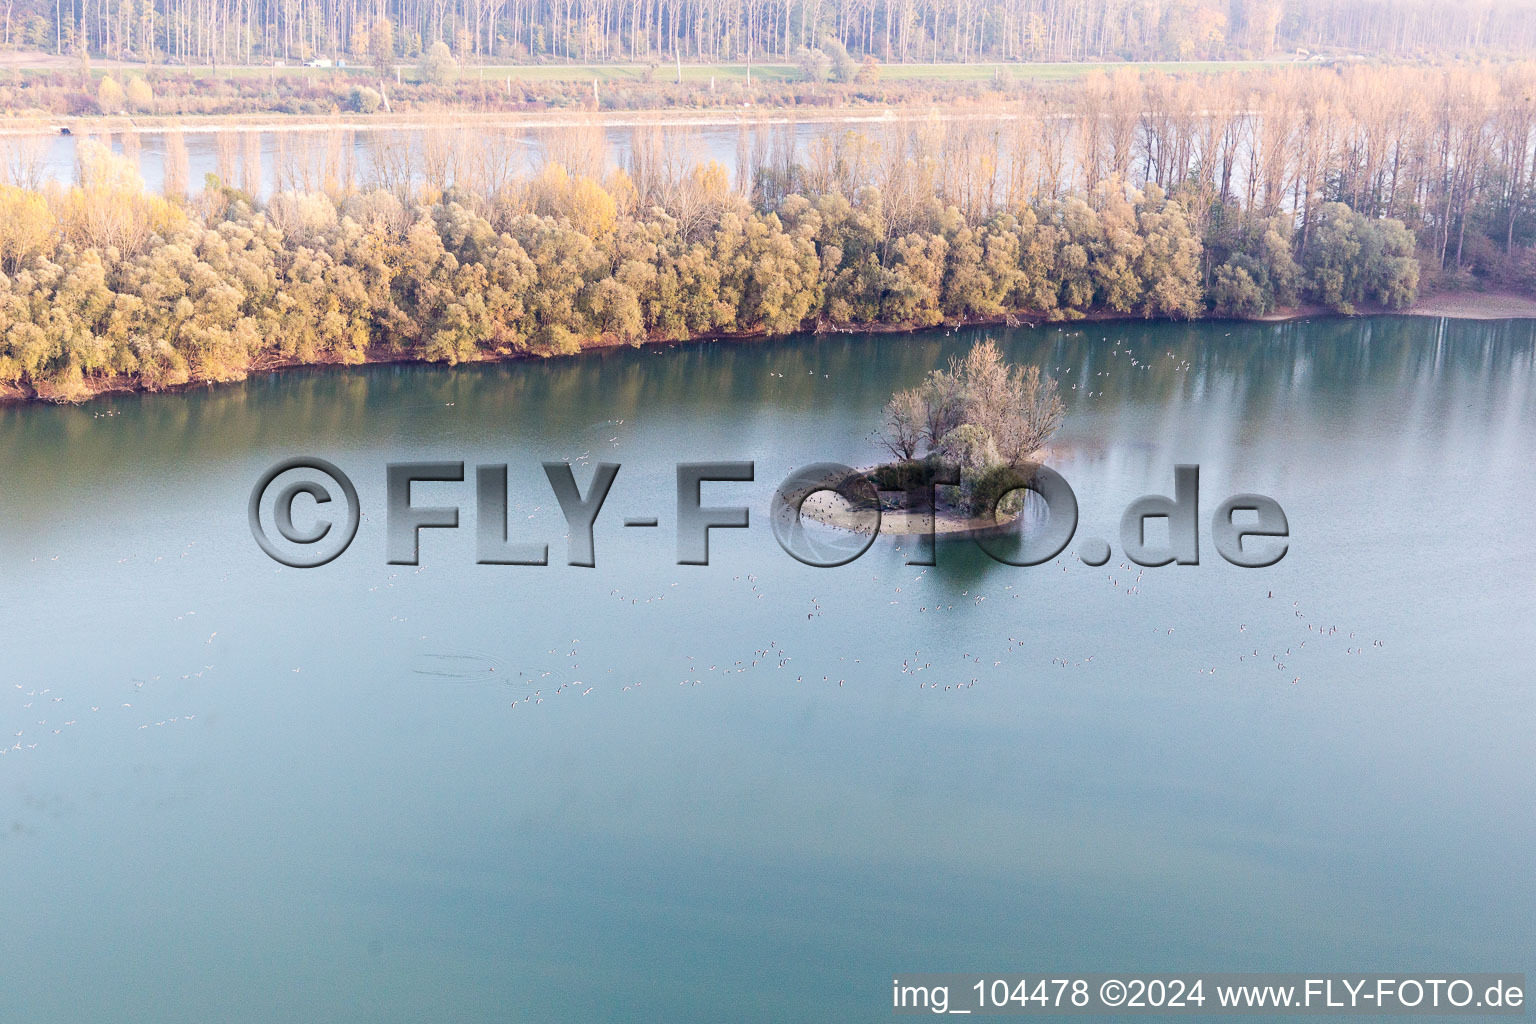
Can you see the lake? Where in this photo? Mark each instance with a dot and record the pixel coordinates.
(753, 790)
(57, 154)
(281, 153)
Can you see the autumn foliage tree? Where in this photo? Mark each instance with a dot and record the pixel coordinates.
(448, 255)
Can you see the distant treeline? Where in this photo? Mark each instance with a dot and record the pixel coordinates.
(102, 283)
(251, 31)
(1450, 151)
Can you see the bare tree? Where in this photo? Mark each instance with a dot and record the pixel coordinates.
(906, 418)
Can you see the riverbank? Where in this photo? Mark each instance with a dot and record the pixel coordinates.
(73, 96)
(1449, 305)
(1457, 305)
(1475, 306)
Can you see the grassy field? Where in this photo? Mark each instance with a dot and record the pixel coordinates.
(695, 73)
(791, 72)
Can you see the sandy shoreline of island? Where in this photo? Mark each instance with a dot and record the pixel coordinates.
(825, 508)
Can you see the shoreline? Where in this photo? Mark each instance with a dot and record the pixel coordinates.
(1473, 306)
(48, 126)
(948, 521)
(1470, 305)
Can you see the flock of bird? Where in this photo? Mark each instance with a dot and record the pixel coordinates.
(960, 655)
(964, 648)
(1092, 387)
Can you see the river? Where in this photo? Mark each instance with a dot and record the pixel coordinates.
(753, 790)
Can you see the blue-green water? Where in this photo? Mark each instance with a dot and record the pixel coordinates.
(239, 792)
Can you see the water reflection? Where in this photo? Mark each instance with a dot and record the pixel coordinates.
(759, 785)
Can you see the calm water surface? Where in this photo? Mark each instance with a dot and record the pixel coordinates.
(367, 792)
(57, 153)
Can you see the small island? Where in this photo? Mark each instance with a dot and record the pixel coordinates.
(989, 419)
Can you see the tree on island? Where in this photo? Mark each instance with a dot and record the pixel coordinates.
(984, 415)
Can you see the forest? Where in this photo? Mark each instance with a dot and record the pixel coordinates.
(1145, 198)
(381, 32)
(1131, 194)
(104, 285)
